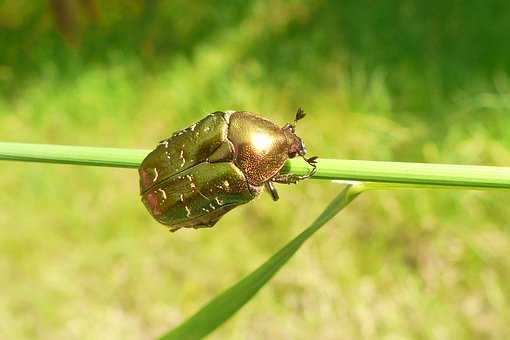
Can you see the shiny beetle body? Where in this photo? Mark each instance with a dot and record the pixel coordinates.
(198, 174)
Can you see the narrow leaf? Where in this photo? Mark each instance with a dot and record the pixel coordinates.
(223, 306)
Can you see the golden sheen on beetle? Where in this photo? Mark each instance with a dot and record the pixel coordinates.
(220, 162)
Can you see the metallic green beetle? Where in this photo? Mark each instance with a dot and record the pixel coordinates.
(200, 173)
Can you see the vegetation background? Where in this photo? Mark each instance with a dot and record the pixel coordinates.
(424, 81)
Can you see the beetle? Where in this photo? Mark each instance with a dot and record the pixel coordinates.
(220, 162)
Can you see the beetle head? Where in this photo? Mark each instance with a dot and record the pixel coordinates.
(296, 144)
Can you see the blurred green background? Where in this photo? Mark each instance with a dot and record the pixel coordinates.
(381, 80)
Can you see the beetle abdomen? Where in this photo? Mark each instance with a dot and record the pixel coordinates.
(199, 196)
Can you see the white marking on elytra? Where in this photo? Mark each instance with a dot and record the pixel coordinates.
(226, 183)
(206, 129)
(192, 185)
(162, 193)
(183, 160)
(212, 206)
(218, 201)
(156, 175)
(204, 209)
(192, 127)
(165, 143)
(181, 198)
(188, 212)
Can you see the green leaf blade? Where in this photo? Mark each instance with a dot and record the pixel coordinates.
(226, 304)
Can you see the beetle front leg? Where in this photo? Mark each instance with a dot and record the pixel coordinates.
(293, 178)
(288, 178)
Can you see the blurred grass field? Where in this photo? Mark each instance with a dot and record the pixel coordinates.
(408, 81)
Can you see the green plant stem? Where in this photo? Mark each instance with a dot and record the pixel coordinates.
(407, 174)
(67, 154)
(416, 174)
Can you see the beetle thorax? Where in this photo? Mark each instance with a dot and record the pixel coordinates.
(260, 146)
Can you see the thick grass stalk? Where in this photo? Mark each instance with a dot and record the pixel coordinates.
(406, 174)
(67, 154)
(419, 174)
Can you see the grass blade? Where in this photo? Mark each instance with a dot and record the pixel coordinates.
(422, 174)
(223, 306)
(410, 174)
(70, 154)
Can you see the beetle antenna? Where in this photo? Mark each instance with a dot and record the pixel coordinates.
(300, 114)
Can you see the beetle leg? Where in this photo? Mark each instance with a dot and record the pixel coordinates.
(292, 178)
(272, 190)
(313, 162)
(288, 178)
